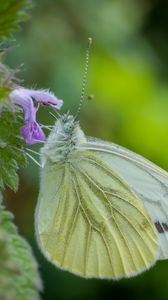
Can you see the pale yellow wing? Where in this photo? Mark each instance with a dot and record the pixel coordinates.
(149, 182)
(89, 222)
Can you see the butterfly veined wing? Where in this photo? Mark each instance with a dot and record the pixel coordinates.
(89, 221)
(148, 181)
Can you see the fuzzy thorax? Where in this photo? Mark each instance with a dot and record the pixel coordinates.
(63, 139)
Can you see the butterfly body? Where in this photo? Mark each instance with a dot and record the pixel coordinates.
(93, 215)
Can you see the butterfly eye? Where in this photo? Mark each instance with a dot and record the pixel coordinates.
(68, 127)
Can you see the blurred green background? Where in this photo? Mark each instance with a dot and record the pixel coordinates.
(128, 76)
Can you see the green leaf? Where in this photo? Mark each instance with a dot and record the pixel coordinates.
(12, 12)
(19, 277)
(7, 78)
(12, 155)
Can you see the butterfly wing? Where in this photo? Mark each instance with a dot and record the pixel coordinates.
(148, 181)
(88, 220)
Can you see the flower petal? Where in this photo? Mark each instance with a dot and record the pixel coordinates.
(23, 99)
(46, 97)
(32, 133)
(21, 96)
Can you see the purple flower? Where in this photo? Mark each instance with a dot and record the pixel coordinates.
(31, 131)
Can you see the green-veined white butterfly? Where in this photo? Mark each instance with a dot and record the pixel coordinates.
(102, 209)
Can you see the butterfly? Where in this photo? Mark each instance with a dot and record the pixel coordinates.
(102, 209)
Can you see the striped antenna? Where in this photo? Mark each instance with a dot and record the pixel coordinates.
(89, 44)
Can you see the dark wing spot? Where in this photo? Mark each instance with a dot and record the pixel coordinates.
(161, 227)
(165, 226)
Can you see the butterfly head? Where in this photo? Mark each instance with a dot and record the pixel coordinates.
(68, 123)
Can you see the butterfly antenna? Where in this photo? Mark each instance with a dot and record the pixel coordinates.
(89, 43)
